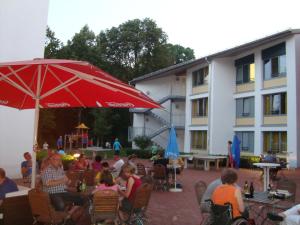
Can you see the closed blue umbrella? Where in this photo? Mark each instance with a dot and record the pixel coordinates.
(172, 152)
(236, 150)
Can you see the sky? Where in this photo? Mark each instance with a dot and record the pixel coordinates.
(205, 26)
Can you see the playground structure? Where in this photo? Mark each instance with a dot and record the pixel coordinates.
(79, 139)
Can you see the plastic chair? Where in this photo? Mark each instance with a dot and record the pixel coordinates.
(200, 188)
(42, 210)
(105, 206)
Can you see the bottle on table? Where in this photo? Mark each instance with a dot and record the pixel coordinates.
(251, 190)
(246, 188)
(83, 185)
(78, 186)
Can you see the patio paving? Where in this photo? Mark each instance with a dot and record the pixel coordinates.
(182, 208)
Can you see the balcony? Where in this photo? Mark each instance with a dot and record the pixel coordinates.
(246, 87)
(275, 120)
(202, 120)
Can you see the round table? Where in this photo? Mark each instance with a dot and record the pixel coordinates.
(266, 167)
(175, 188)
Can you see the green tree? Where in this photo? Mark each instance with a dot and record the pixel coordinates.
(53, 45)
(180, 54)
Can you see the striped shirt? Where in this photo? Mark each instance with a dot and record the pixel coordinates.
(52, 173)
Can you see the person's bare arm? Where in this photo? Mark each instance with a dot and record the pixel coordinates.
(238, 195)
(128, 189)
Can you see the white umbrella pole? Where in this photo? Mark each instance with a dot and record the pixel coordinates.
(35, 131)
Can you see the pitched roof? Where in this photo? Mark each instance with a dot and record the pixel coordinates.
(182, 67)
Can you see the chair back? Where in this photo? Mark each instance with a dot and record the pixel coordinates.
(89, 176)
(200, 188)
(106, 204)
(288, 185)
(40, 204)
(142, 196)
(141, 170)
(74, 177)
(159, 171)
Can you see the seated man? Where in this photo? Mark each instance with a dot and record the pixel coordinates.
(6, 185)
(271, 158)
(117, 167)
(26, 166)
(208, 193)
(55, 183)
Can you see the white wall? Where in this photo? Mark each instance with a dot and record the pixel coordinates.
(157, 89)
(222, 105)
(22, 37)
(292, 46)
(297, 54)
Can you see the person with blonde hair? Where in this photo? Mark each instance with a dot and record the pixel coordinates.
(132, 184)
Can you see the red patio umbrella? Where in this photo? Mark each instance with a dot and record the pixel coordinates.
(54, 83)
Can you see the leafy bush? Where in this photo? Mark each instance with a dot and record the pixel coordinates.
(142, 154)
(142, 142)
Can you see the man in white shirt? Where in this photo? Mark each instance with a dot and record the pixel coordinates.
(116, 168)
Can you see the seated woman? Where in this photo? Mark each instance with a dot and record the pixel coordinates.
(229, 192)
(82, 163)
(106, 183)
(132, 184)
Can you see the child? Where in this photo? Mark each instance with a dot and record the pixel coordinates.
(106, 182)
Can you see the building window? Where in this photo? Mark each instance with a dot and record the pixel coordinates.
(275, 141)
(245, 107)
(200, 77)
(200, 107)
(199, 140)
(275, 104)
(274, 61)
(245, 69)
(247, 140)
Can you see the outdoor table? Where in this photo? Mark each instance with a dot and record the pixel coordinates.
(259, 203)
(266, 167)
(207, 160)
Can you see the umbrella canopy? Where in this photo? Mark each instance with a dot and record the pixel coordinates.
(172, 150)
(82, 126)
(235, 149)
(53, 83)
(65, 83)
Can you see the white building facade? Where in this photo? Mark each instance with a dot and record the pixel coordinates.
(22, 37)
(169, 90)
(251, 90)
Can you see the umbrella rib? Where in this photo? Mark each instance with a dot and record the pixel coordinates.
(14, 84)
(61, 86)
(87, 76)
(25, 96)
(21, 80)
(9, 74)
(44, 77)
(67, 89)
